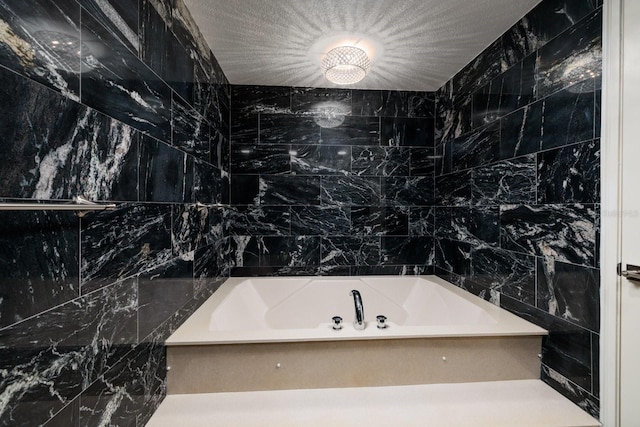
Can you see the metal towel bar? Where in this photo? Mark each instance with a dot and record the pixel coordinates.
(79, 205)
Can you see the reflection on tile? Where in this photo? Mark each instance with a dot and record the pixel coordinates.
(118, 84)
(313, 99)
(543, 23)
(260, 159)
(30, 44)
(353, 131)
(504, 94)
(320, 160)
(120, 17)
(572, 58)
(404, 132)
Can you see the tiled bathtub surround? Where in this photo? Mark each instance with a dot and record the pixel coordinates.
(139, 118)
(331, 181)
(494, 180)
(517, 188)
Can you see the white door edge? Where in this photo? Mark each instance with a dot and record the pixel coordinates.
(610, 242)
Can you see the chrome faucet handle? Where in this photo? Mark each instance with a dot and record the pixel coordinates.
(336, 323)
(382, 321)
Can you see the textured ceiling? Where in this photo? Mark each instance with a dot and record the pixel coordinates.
(414, 44)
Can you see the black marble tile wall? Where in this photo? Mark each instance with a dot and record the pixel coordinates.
(331, 181)
(139, 117)
(517, 184)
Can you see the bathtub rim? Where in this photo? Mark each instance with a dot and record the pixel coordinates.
(195, 330)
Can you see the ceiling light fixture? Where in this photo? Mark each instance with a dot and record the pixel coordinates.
(345, 65)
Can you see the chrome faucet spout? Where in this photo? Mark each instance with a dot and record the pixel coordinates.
(358, 322)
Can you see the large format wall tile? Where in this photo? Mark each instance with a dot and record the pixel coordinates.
(40, 41)
(507, 92)
(118, 84)
(345, 165)
(569, 291)
(164, 173)
(517, 187)
(570, 174)
(320, 220)
(477, 148)
(568, 59)
(542, 24)
(120, 17)
(88, 302)
(563, 232)
(509, 181)
(322, 160)
(38, 263)
(51, 358)
(60, 149)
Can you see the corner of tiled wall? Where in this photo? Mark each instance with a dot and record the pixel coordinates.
(517, 188)
(141, 119)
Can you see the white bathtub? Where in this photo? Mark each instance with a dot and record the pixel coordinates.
(292, 309)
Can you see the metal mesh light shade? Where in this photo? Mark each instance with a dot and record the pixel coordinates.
(345, 65)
